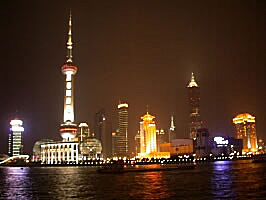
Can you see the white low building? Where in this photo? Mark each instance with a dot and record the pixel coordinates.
(60, 153)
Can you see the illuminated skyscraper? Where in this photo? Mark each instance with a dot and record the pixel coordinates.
(68, 129)
(15, 141)
(245, 129)
(194, 110)
(148, 135)
(121, 143)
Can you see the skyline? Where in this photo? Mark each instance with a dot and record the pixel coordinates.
(150, 58)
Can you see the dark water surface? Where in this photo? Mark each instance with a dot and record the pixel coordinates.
(218, 180)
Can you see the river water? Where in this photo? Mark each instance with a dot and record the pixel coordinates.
(217, 180)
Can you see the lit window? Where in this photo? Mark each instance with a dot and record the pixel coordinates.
(68, 100)
(68, 77)
(68, 85)
(68, 93)
(68, 109)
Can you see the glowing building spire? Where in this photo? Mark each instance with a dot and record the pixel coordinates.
(192, 82)
(69, 41)
(172, 126)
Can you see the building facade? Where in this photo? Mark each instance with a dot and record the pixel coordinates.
(36, 150)
(225, 146)
(15, 138)
(178, 147)
(102, 132)
(148, 142)
(245, 129)
(203, 147)
(83, 132)
(121, 141)
(60, 153)
(137, 143)
(161, 138)
(194, 107)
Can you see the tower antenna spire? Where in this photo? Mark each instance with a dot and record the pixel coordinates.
(192, 82)
(69, 41)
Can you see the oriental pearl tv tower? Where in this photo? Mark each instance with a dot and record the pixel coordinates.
(68, 128)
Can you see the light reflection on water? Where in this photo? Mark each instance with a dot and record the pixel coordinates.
(218, 180)
(222, 179)
(16, 183)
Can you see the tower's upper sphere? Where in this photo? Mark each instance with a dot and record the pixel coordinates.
(69, 68)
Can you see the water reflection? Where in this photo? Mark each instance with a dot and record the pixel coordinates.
(16, 183)
(148, 185)
(250, 180)
(222, 180)
(219, 180)
(154, 186)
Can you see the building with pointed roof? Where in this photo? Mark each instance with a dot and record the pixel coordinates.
(195, 122)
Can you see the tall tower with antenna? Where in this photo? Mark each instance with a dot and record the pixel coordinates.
(68, 128)
(194, 109)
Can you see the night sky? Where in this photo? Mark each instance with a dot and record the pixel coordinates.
(141, 52)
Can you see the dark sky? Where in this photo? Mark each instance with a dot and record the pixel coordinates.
(142, 52)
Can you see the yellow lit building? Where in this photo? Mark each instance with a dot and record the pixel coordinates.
(148, 134)
(246, 130)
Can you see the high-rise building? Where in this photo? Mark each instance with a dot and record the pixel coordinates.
(114, 134)
(68, 128)
(245, 129)
(148, 135)
(194, 110)
(15, 139)
(161, 138)
(102, 132)
(121, 142)
(137, 143)
(99, 124)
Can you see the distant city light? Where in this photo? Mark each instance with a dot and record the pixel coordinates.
(220, 141)
(122, 105)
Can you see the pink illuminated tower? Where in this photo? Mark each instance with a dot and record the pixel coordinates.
(68, 128)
